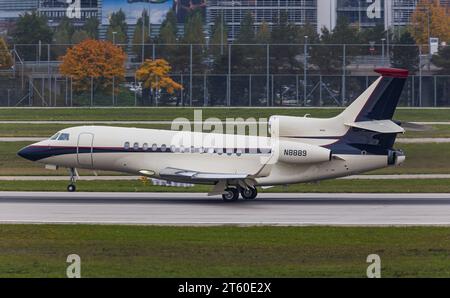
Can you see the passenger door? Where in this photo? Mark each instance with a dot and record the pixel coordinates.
(85, 149)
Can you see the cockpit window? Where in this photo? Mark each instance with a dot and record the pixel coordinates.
(54, 137)
(63, 137)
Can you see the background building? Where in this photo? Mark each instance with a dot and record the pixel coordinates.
(391, 13)
(55, 10)
(10, 11)
(299, 12)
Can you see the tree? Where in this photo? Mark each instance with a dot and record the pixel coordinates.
(117, 31)
(429, 19)
(141, 37)
(218, 53)
(263, 35)
(405, 54)
(247, 33)
(155, 77)
(6, 60)
(79, 36)
(283, 55)
(442, 60)
(62, 37)
(99, 60)
(31, 29)
(91, 27)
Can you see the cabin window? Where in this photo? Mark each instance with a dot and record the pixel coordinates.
(173, 148)
(219, 151)
(163, 147)
(239, 152)
(154, 147)
(145, 146)
(182, 149)
(63, 137)
(136, 146)
(230, 151)
(54, 137)
(126, 145)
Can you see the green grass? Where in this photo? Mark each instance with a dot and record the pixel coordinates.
(145, 251)
(222, 113)
(421, 159)
(329, 186)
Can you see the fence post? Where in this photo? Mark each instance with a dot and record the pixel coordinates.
(296, 91)
(343, 73)
(135, 90)
(435, 91)
(320, 91)
(113, 87)
(229, 77)
(182, 91)
(268, 73)
(92, 91)
(190, 77)
(420, 76)
(250, 91)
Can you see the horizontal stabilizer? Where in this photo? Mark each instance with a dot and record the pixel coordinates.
(381, 126)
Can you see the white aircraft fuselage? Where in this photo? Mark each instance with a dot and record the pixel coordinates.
(299, 149)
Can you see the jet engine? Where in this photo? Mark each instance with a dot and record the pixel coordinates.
(301, 153)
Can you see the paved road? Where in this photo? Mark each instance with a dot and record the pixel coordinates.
(197, 209)
(130, 178)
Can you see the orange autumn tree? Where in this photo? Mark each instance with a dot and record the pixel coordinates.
(429, 19)
(95, 62)
(155, 76)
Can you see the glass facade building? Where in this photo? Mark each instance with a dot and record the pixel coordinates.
(299, 12)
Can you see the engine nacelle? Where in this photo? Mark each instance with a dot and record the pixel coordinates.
(301, 153)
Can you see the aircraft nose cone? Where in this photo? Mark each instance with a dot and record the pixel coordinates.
(27, 153)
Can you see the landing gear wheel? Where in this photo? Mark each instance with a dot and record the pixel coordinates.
(71, 188)
(249, 193)
(231, 195)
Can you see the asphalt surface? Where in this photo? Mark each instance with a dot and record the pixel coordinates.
(198, 209)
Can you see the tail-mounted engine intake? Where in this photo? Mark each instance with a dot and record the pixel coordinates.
(301, 153)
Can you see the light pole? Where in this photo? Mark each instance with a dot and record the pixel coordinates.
(305, 67)
(114, 37)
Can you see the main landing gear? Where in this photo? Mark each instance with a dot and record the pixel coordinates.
(71, 187)
(232, 194)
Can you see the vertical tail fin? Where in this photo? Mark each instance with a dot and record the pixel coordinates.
(380, 100)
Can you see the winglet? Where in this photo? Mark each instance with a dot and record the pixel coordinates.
(392, 72)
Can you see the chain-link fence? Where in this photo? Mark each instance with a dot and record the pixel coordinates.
(228, 75)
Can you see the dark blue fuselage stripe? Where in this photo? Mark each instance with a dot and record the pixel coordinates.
(38, 152)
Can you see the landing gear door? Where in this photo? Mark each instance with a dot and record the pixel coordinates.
(85, 149)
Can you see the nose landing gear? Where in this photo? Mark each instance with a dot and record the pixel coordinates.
(73, 174)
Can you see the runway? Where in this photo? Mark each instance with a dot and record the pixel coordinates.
(197, 209)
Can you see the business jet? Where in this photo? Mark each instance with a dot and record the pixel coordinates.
(298, 149)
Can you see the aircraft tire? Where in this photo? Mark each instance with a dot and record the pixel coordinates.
(71, 188)
(231, 195)
(250, 193)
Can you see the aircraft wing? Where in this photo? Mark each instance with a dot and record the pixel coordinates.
(179, 175)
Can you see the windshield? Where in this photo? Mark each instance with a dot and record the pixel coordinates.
(55, 136)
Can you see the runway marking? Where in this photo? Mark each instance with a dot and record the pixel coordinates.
(193, 209)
